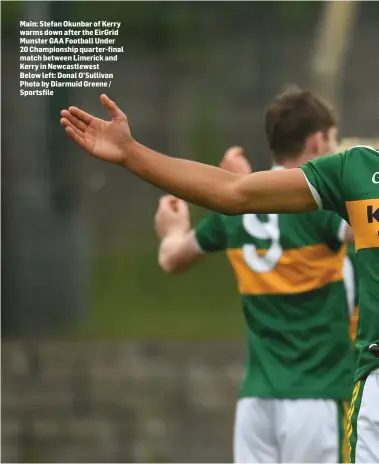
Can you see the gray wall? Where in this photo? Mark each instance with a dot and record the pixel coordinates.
(119, 402)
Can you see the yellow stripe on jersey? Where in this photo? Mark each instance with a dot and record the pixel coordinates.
(351, 411)
(345, 439)
(365, 232)
(298, 270)
(354, 324)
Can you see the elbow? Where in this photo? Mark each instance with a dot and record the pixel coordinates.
(236, 201)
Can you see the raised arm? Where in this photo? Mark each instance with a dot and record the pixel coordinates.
(268, 192)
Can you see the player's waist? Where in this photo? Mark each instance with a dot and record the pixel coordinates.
(304, 364)
(294, 387)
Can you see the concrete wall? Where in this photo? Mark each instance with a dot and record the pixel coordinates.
(119, 402)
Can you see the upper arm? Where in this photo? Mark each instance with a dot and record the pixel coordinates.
(284, 191)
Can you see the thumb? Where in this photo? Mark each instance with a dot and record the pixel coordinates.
(113, 109)
(167, 203)
(181, 206)
(174, 203)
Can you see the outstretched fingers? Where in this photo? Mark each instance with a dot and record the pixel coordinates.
(113, 109)
(75, 137)
(74, 120)
(75, 134)
(81, 115)
(67, 123)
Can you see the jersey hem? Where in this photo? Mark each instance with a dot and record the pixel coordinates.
(364, 372)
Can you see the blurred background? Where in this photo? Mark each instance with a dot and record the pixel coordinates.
(104, 358)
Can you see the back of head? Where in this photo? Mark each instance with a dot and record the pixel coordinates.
(292, 118)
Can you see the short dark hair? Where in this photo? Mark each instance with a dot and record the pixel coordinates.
(292, 117)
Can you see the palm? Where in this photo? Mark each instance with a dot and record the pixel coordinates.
(107, 140)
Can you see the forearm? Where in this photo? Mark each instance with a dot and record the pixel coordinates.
(219, 190)
(207, 186)
(178, 252)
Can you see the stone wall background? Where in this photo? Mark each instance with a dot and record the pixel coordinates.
(119, 402)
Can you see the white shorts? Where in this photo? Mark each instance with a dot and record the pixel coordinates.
(363, 428)
(290, 431)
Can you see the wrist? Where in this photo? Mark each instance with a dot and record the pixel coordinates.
(174, 233)
(129, 151)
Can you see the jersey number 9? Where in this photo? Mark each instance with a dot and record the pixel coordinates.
(265, 231)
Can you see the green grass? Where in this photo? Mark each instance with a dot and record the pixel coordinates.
(133, 299)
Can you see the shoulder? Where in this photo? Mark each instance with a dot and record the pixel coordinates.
(359, 161)
(360, 150)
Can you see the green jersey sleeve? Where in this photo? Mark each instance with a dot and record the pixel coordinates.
(325, 179)
(210, 233)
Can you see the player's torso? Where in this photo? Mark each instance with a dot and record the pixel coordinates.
(294, 305)
(361, 187)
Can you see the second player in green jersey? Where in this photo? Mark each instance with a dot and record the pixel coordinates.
(289, 275)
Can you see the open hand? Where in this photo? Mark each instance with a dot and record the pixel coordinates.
(107, 140)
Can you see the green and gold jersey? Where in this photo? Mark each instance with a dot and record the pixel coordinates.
(289, 274)
(348, 183)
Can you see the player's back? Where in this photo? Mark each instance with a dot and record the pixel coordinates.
(289, 273)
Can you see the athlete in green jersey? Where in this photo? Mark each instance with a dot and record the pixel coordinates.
(340, 183)
(347, 183)
(289, 271)
(299, 365)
